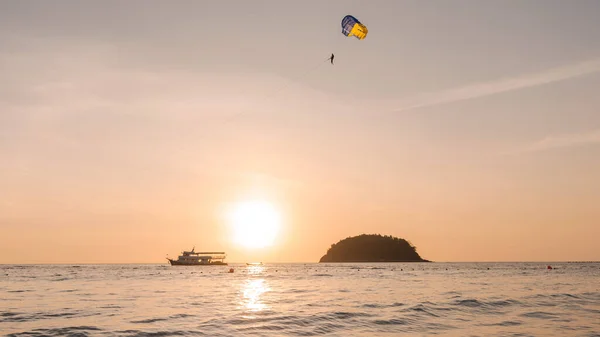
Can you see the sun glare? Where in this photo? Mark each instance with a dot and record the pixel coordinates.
(255, 224)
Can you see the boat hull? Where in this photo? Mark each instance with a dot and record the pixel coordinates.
(180, 263)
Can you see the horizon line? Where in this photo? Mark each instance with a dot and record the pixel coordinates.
(312, 262)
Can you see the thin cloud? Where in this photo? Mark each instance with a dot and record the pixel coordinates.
(561, 141)
(494, 87)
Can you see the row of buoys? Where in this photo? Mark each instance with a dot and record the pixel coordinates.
(231, 270)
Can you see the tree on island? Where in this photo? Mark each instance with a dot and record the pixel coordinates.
(372, 248)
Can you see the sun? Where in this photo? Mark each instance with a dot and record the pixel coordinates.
(255, 223)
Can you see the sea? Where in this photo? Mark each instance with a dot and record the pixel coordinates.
(312, 299)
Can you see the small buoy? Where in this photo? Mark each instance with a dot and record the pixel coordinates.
(549, 267)
(231, 270)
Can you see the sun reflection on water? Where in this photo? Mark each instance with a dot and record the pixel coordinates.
(253, 290)
(255, 269)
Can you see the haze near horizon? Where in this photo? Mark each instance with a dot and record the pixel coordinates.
(132, 130)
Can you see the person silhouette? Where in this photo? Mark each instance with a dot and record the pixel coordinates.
(331, 58)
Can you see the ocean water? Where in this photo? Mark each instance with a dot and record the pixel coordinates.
(416, 299)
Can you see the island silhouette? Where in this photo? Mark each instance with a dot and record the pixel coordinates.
(372, 248)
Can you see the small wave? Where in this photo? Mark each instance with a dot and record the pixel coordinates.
(422, 309)
(393, 321)
(595, 296)
(321, 322)
(413, 326)
(263, 328)
(556, 296)
(539, 314)
(503, 323)
(490, 305)
(453, 293)
(324, 323)
(471, 303)
(153, 320)
(24, 317)
(60, 314)
(138, 333)
(504, 303)
(328, 328)
(565, 295)
(347, 315)
(239, 321)
(376, 305)
(180, 316)
(20, 291)
(147, 321)
(68, 331)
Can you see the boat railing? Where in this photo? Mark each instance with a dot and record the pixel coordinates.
(203, 253)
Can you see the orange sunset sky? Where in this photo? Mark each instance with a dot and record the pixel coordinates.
(132, 130)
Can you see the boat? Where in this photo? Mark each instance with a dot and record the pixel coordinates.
(254, 263)
(193, 258)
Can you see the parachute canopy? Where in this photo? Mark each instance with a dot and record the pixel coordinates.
(352, 27)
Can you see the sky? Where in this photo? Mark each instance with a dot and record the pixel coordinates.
(469, 128)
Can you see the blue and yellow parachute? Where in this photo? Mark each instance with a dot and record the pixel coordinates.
(352, 27)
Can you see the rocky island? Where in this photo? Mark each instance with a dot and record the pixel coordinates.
(372, 248)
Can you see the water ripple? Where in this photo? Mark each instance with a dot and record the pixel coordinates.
(504, 299)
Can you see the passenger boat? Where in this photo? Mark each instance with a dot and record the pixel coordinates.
(193, 258)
